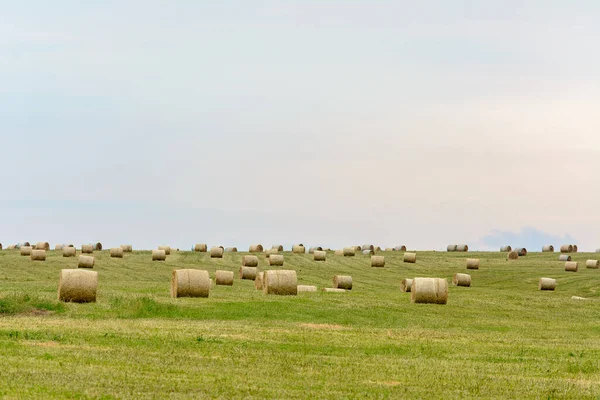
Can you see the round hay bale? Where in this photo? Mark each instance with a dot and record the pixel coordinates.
(593, 264)
(378, 261)
(38, 255)
(258, 281)
(377, 248)
(400, 248)
(167, 249)
(26, 250)
(461, 280)
(98, 246)
(250, 261)
(367, 247)
(248, 273)
(564, 257)
(58, 247)
(87, 248)
(462, 248)
(298, 249)
(451, 247)
(231, 249)
(575, 248)
(127, 248)
(159, 255)
(116, 252)
(405, 285)
(348, 252)
(216, 252)
(548, 248)
(69, 251)
(429, 290)
(571, 266)
(312, 249)
(339, 252)
(472, 263)
(368, 252)
(320, 255)
(224, 278)
(566, 248)
(86, 262)
(513, 255)
(190, 283)
(334, 290)
(410, 258)
(200, 247)
(276, 260)
(505, 249)
(306, 288)
(342, 282)
(277, 247)
(270, 252)
(547, 284)
(256, 248)
(357, 249)
(42, 246)
(280, 282)
(521, 251)
(77, 286)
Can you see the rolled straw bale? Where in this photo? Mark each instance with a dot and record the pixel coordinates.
(216, 252)
(200, 247)
(298, 249)
(231, 249)
(248, 273)
(258, 281)
(342, 282)
(564, 257)
(277, 247)
(250, 261)
(313, 249)
(256, 248)
(127, 248)
(566, 248)
(505, 249)
(349, 252)
(339, 252)
(224, 278)
(472, 263)
(306, 288)
(548, 248)
(462, 247)
(356, 248)
(410, 258)
(334, 290)
(42, 246)
(547, 284)
(26, 250)
(378, 261)
(167, 249)
(377, 248)
(280, 282)
(58, 247)
(368, 252)
(276, 260)
(69, 251)
(429, 290)
(593, 264)
(575, 248)
(116, 252)
(38, 255)
(451, 247)
(461, 280)
(521, 251)
(87, 248)
(190, 283)
(159, 255)
(367, 247)
(513, 255)
(78, 286)
(86, 262)
(270, 252)
(320, 255)
(400, 248)
(98, 246)
(405, 285)
(571, 266)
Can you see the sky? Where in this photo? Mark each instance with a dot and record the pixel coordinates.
(319, 122)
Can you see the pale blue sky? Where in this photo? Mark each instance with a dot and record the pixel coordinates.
(325, 122)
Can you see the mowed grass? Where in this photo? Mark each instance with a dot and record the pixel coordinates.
(500, 338)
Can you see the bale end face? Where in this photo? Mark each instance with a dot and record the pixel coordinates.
(513, 255)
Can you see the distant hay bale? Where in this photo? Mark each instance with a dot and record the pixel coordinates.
(250, 261)
(98, 246)
(42, 246)
(368, 247)
(57, 247)
(216, 252)
(400, 248)
(472, 263)
(368, 252)
(190, 283)
(349, 252)
(547, 284)
(378, 261)
(377, 248)
(280, 282)
(87, 248)
(127, 248)
(116, 252)
(513, 255)
(342, 282)
(86, 262)
(334, 290)
(276, 260)
(548, 248)
(405, 285)
(592, 264)
(277, 247)
(258, 281)
(298, 249)
(521, 251)
(451, 247)
(159, 255)
(256, 248)
(77, 286)
(200, 247)
(231, 249)
(429, 290)
(571, 266)
(566, 248)
(339, 252)
(410, 258)
(26, 250)
(575, 248)
(320, 255)
(270, 252)
(461, 280)
(224, 278)
(564, 257)
(357, 248)
(248, 273)
(306, 288)
(69, 251)
(312, 249)
(38, 255)
(167, 249)
(505, 249)
(462, 248)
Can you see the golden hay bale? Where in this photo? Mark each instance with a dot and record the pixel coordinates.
(410, 258)
(378, 261)
(271, 251)
(200, 247)
(127, 248)
(513, 255)
(339, 252)
(593, 264)
(258, 281)
(472, 263)
(400, 248)
(313, 249)
(429, 290)
(521, 251)
(564, 257)
(280, 282)
(306, 288)
(58, 247)
(566, 248)
(190, 283)
(451, 247)
(216, 252)
(159, 255)
(278, 247)
(320, 255)
(78, 286)
(86, 262)
(42, 246)
(548, 248)
(547, 284)
(405, 285)
(276, 260)
(256, 248)
(368, 252)
(462, 248)
(505, 249)
(98, 246)
(571, 266)
(26, 250)
(69, 251)
(575, 248)
(250, 261)
(38, 255)
(87, 248)
(298, 249)
(461, 280)
(334, 290)
(224, 278)
(231, 249)
(248, 273)
(167, 249)
(357, 248)
(342, 282)
(367, 247)
(349, 252)
(116, 252)
(377, 248)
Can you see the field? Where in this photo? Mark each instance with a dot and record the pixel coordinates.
(500, 338)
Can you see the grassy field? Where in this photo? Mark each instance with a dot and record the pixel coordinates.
(500, 338)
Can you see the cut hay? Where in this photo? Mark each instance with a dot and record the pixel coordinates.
(566, 248)
(548, 248)
(320, 255)
(159, 255)
(521, 251)
(462, 248)
(127, 248)
(592, 264)
(248, 273)
(26, 250)
(571, 266)
(334, 290)
(342, 282)
(429, 290)
(378, 261)
(400, 248)
(190, 283)
(231, 249)
(451, 247)
(505, 249)
(405, 285)
(258, 281)
(348, 252)
(116, 252)
(69, 251)
(201, 247)
(87, 248)
(167, 249)
(86, 262)
(564, 257)
(216, 252)
(256, 248)
(410, 258)
(77, 286)
(368, 252)
(42, 246)
(280, 282)
(513, 255)
(578, 298)
(250, 261)
(224, 278)
(472, 263)
(547, 284)
(298, 249)
(339, 252)
(38, 255)
(276, 260)
(461, 280)
(306, 288)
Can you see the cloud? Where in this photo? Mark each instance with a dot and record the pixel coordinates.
(530, 238)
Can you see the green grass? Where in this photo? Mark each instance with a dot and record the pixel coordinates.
(500, 338)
